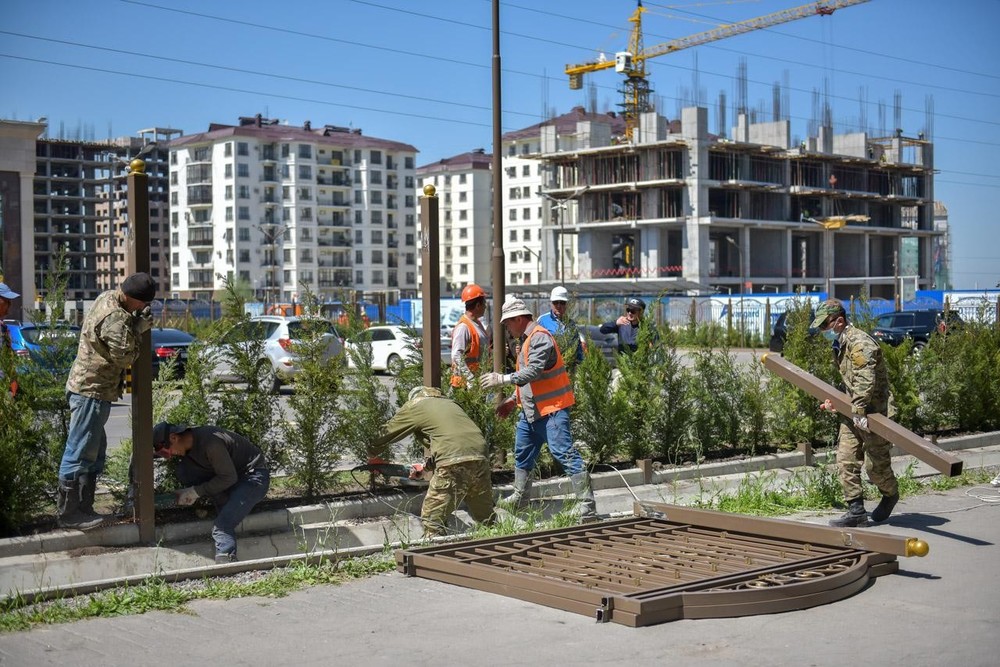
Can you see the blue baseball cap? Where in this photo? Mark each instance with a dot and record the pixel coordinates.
(7, 292)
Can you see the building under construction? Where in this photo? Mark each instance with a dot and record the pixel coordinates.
(678, 208)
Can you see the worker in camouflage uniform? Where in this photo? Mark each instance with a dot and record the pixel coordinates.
(458, 460)
(866, 380)
(109, 344)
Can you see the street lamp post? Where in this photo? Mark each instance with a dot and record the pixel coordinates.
(271, 232)
(743, 286)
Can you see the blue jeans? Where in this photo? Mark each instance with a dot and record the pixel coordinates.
(553, 429)
(243, 495)
(87, 443)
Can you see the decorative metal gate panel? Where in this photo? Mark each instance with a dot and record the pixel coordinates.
(668, 563)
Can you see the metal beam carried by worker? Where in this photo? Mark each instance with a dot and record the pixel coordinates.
(902, 437)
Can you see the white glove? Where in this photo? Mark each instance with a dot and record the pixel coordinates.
(187, 496)
(861, 423)
(490, 380)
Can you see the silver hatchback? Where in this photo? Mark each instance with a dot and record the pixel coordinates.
(272, 339)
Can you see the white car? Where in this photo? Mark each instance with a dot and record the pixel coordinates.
(392, 346)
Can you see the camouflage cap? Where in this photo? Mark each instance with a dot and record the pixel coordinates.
(419, 392)
(825, 310)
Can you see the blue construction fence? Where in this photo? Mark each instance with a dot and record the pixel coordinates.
(756, 312)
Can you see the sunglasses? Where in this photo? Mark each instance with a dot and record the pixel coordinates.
(633, 311)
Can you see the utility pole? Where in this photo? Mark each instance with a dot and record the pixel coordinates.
(898, 301)
(499, 292)
(430, 251)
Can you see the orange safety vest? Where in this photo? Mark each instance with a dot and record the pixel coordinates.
(552, 390)
(471, 355)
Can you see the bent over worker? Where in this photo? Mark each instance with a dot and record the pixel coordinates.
(545, 395)
(866, 378)
(220, 465)
(459, 462)
(470, 341)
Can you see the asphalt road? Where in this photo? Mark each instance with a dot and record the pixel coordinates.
(943, 609)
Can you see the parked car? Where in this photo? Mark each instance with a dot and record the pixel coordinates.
(607, 343)
(917, 325)
(51, 347)
(780, 332)
(168, 344)
(392, 345)
(278, 335)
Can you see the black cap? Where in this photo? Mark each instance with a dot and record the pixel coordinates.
(140, 286)
(162, 431)
(635, 302)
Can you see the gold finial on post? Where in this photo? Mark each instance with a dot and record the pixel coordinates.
(137, 166)
(430, 190)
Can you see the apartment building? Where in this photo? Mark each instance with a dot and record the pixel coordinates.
(284, 209)
(680, 209)
(17, 173)
(464, 189)
(534, 257)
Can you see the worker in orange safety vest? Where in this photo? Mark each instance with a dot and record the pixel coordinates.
(470, 340)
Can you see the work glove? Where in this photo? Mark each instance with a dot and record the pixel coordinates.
(504, 409)
(187, 496)
(861, 423)
(491, 380)
(144, 314)
(827, 406)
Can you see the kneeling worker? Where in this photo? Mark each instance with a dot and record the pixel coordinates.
(219, 464)
(459, 459)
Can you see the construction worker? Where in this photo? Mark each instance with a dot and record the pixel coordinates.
(627, 326)
(470, 341)
(558, 322)
(220, 465)
(866, 378)
(109, 344)
(545, 395)
(458, 465)
(6, 296)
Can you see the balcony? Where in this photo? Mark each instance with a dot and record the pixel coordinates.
(336, 181)
(200, 241)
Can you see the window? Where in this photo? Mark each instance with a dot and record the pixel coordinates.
(408, 182)
(377, 236)
(525, 149)
(305, 171)
(513, 257)
(410, 220)
(408, 201)
(243, 170)
(463, 268)
(375, 177)
(245, 276)
(286, 214)
(359, 277)
(244, 212)
(463, 251)
(173, 178)
(512, 150)
(286, 255)
(512, 214)
(463, 215)
(513, 235)
(463, 196)
(463, 233)
(229, 256)
(228, 152)
(307, 214)
(229, 213)
(284, 150)
(376, 196)
(305, 151)
(358, 218)
(229, 193)
(377, 257)
(513, 278)
(359, 197)
(244, 192)
(376, 217)
(526, 170)
(408, 162)
(229, 170)
(173, 158)
(286, 172)
(244, 255)
(376, 157)
(526, 214)
(357, 156)
(359, 236)
(376, 276)
(526, 235)
(359, 257)
(173, 219)
(173, 199)
(286, 192)
(243, 234)
(525, 192)
(242, 148)
(461, 178)
(175, 259)
(305, 194)
(515, 193)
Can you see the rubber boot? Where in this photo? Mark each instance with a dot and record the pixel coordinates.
(586, 505)
(854, 517)
(88, 487)
(884, 509)
(221, 559)
(70, 516)
(522, 490)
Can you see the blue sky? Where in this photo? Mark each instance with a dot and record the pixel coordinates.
(420, 72)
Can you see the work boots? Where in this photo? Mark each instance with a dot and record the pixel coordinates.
(586, 505)
(71, 514)
(518, 500)
(88, 487)
(854, 517)
(884, 509)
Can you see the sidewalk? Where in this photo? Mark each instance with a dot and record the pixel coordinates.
(941, 609)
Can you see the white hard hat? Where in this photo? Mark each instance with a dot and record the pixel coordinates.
(512, 309)
(559, 294)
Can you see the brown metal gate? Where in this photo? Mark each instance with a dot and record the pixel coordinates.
(667, 563)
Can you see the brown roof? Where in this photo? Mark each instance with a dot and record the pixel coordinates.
(270, 130)
(477, 159)
(566, 124)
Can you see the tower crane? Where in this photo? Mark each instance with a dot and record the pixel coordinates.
(632, 63)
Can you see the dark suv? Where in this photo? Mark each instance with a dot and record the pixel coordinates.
(918, 325)
(780, 333)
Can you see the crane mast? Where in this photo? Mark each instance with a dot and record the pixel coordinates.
(635, 88)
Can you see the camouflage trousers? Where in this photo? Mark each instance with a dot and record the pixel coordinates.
(854, 447)
(468, 481)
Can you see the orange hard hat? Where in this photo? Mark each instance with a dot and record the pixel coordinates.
(472, 291)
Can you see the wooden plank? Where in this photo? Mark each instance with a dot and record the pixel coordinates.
(905, 439)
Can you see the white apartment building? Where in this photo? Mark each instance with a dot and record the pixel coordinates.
(465, 209)
(533, 256)
(283, 209)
